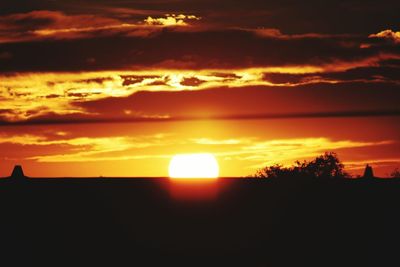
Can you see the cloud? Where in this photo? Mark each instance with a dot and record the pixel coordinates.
(255, 153)
(34, 24)
(29, 95)
(121, 45)
(277, 34)
(119, 94)
(125, 12)
(364, 74)
(286, 151)
(171, 20)
(191, 81)
(388, 35)
(96, 144)
(45, 24)
(83, 148)
(219, 142)
(370, 61)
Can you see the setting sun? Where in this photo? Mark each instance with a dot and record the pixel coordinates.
(193, 166)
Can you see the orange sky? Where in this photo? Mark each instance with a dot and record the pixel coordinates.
(241, 147)
(196, 77)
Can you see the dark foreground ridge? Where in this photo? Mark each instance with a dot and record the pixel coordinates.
(249, 222)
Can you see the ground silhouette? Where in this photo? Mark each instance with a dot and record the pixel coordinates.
(250, 222)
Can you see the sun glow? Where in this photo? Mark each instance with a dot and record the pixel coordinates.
(193, 166)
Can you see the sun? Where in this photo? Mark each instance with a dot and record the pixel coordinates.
(202, 165)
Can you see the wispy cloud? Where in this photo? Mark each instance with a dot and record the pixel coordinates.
(286, 151)
(46, 24)
(255, 151)
(209, 141)
(277, 34)
(77, 149)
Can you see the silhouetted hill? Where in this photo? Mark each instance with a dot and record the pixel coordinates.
(250, 222)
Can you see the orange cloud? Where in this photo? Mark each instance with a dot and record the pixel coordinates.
(277, 34)
(371, 61)
(387, 34)
(79, 149)
(28, 95)
(171, 20)
(286, 151)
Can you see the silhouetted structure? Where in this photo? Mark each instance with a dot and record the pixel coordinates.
(368, 172)
(17, 172)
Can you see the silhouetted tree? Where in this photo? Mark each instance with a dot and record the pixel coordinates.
(395, 173)
(275, 171)
(327, 165)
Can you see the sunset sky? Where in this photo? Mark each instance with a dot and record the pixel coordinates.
(116, 88)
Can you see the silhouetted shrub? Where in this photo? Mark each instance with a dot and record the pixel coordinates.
(327, 165)
(395, 173)
(274, 171)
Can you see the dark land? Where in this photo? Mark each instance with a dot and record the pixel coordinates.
(248, 222)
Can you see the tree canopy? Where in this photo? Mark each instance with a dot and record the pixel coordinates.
(327, 165)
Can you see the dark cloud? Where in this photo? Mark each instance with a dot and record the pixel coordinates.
(134, 79)
(5, 55)
(192, 81)
(65, 36)
(366, 74)
(56, 119)
(42, 25)
(38, 24)
(190, 50)
(331, 16)
(79, 95)
(53, 96)
(96, 80)
(227, 76)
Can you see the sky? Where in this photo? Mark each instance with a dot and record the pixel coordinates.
(116, 88)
